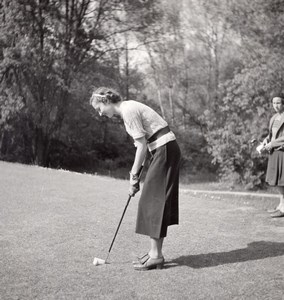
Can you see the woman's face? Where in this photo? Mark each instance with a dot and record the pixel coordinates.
(277, 104)
(104, 109)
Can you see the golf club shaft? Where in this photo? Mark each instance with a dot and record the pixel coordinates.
(139, 173)
(119, 223)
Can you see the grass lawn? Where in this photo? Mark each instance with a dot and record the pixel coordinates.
(53, 224)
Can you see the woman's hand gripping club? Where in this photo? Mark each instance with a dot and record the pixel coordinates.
(135, 183)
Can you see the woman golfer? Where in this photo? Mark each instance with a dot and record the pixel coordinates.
(274, 144)
(158, 205)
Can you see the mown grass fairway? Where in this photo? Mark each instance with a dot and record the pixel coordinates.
(53, 224)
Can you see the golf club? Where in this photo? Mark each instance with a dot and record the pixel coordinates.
(98, 261)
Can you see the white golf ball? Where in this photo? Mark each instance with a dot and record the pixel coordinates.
(98, 261)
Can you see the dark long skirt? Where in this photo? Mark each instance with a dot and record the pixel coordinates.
(275, 168)
(158, 204)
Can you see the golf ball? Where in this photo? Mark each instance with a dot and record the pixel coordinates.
(98, 261)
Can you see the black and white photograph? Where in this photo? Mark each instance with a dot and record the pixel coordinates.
(141, 149)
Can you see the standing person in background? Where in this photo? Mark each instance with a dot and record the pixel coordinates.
(158, 204)
(274, 144)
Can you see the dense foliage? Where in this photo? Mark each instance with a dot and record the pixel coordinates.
(52, 52)
(245, 99)
(209, 67)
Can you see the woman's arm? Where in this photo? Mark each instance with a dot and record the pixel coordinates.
(141, 150)
(266, 140)
(278, 142)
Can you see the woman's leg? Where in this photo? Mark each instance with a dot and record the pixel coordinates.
(156, 248)
(281, 203)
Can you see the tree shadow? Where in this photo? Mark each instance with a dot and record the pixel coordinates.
(253, 251)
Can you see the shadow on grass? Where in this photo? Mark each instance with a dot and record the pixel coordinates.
(254, 251)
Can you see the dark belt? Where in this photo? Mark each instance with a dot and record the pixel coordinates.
(158, 134)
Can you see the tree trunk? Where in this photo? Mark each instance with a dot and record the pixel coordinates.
(126, 69)
(184, 119)
(157, 81)
(105, 132)
(3, 143)
(216, 54)
(160, 102)
(171, 106)
(41, 148)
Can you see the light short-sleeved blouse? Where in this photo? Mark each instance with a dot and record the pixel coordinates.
(140, 120)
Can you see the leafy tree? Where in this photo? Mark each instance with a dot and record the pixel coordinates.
(245, 107)
(44, 46)
(194, 54)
